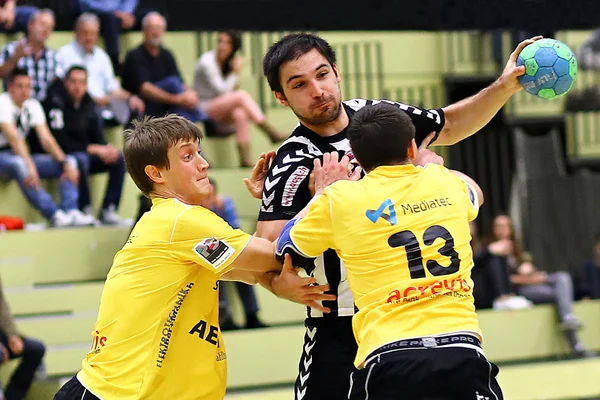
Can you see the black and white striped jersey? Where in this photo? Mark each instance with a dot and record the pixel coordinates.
(286, 189)
(42, 69)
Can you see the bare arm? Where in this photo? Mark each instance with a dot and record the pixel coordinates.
(469, 181)
(17, 143)
(468, 116)
(154, 93)
(9, 65)
(48, 142)
(257, 257)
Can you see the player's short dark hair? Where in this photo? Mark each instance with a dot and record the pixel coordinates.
(380, 134)
(75, 67)
(291, 47)
(16, 73)
(148, 143)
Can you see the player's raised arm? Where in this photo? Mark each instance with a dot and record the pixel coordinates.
(469, 115)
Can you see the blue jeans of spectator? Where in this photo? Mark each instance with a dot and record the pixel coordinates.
(22, 15)
(90, 164)
(31, 358)
(174, 85)
(13, 166)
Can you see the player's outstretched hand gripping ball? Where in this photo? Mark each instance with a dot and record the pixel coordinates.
(550, 68)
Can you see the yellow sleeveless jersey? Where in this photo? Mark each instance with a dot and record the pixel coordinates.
(157, 334)
(403, 235)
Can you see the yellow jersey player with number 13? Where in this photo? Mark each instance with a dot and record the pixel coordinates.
(403, 235)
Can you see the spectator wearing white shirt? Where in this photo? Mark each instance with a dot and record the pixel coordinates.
(18, 114)
(215, 81)
(114, 104)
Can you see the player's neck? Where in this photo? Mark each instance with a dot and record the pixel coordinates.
(165, 193)
(331, 128)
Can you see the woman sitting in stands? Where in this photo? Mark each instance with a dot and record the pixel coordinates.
(215, 81)
(538, 286)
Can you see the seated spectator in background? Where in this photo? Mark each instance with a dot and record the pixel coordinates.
(73, 121)
(18, 114)
(151, 72)
(115, 16)
(223, 206)
(589, 274)
(112, 102)
(14, 19)
(215, 81)
(32, 54)
(538, 286)
(491, 275)
(12, 345)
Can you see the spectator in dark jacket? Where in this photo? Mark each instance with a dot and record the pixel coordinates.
(12, 345)
(590, 274)
(73, 121)
(150, 71)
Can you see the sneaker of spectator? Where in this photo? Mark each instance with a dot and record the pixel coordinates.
(570, 323)
(78, 218)
(512, 303)
(61, 219)
(109, 216)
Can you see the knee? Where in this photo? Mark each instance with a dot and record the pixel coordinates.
(562, 276)
(242, 96)
(238, 114)
(35, 350)
(18, 168)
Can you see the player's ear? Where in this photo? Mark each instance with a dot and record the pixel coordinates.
(413, 150)
(281, 98)
(154, 174)
(337, 74)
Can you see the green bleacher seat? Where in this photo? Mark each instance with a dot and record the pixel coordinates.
(54, 299)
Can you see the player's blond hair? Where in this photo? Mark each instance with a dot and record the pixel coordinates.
(148, 143)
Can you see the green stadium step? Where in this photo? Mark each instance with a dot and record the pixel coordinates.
(534, 333)
(76, 254)
(16, 272)
(58, 330)
(66, 298)
(273, 310)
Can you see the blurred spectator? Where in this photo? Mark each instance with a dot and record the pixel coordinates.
(589, 52)
(12, 18)
(73, 121)
(590, 274)
(223, 206)
(215, 81)
(112, 102)
(115, 16)
(18, 114)
(32, 54)
(491, 277)
(151, 72)
(538, 286)
(12, 345)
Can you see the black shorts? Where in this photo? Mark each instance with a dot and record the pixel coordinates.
(327, 359)
(74, 390)
(449, 370)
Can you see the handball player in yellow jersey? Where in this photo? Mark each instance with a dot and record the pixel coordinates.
(403, 235)
(157, 334)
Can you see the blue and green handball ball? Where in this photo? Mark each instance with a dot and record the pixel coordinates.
(550, 68)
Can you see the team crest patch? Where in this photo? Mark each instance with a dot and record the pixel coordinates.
(214, 251)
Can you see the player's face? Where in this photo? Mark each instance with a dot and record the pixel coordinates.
(187, 176)
(87, 35)
(502, 227)
(311, 88)
(20, 89)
